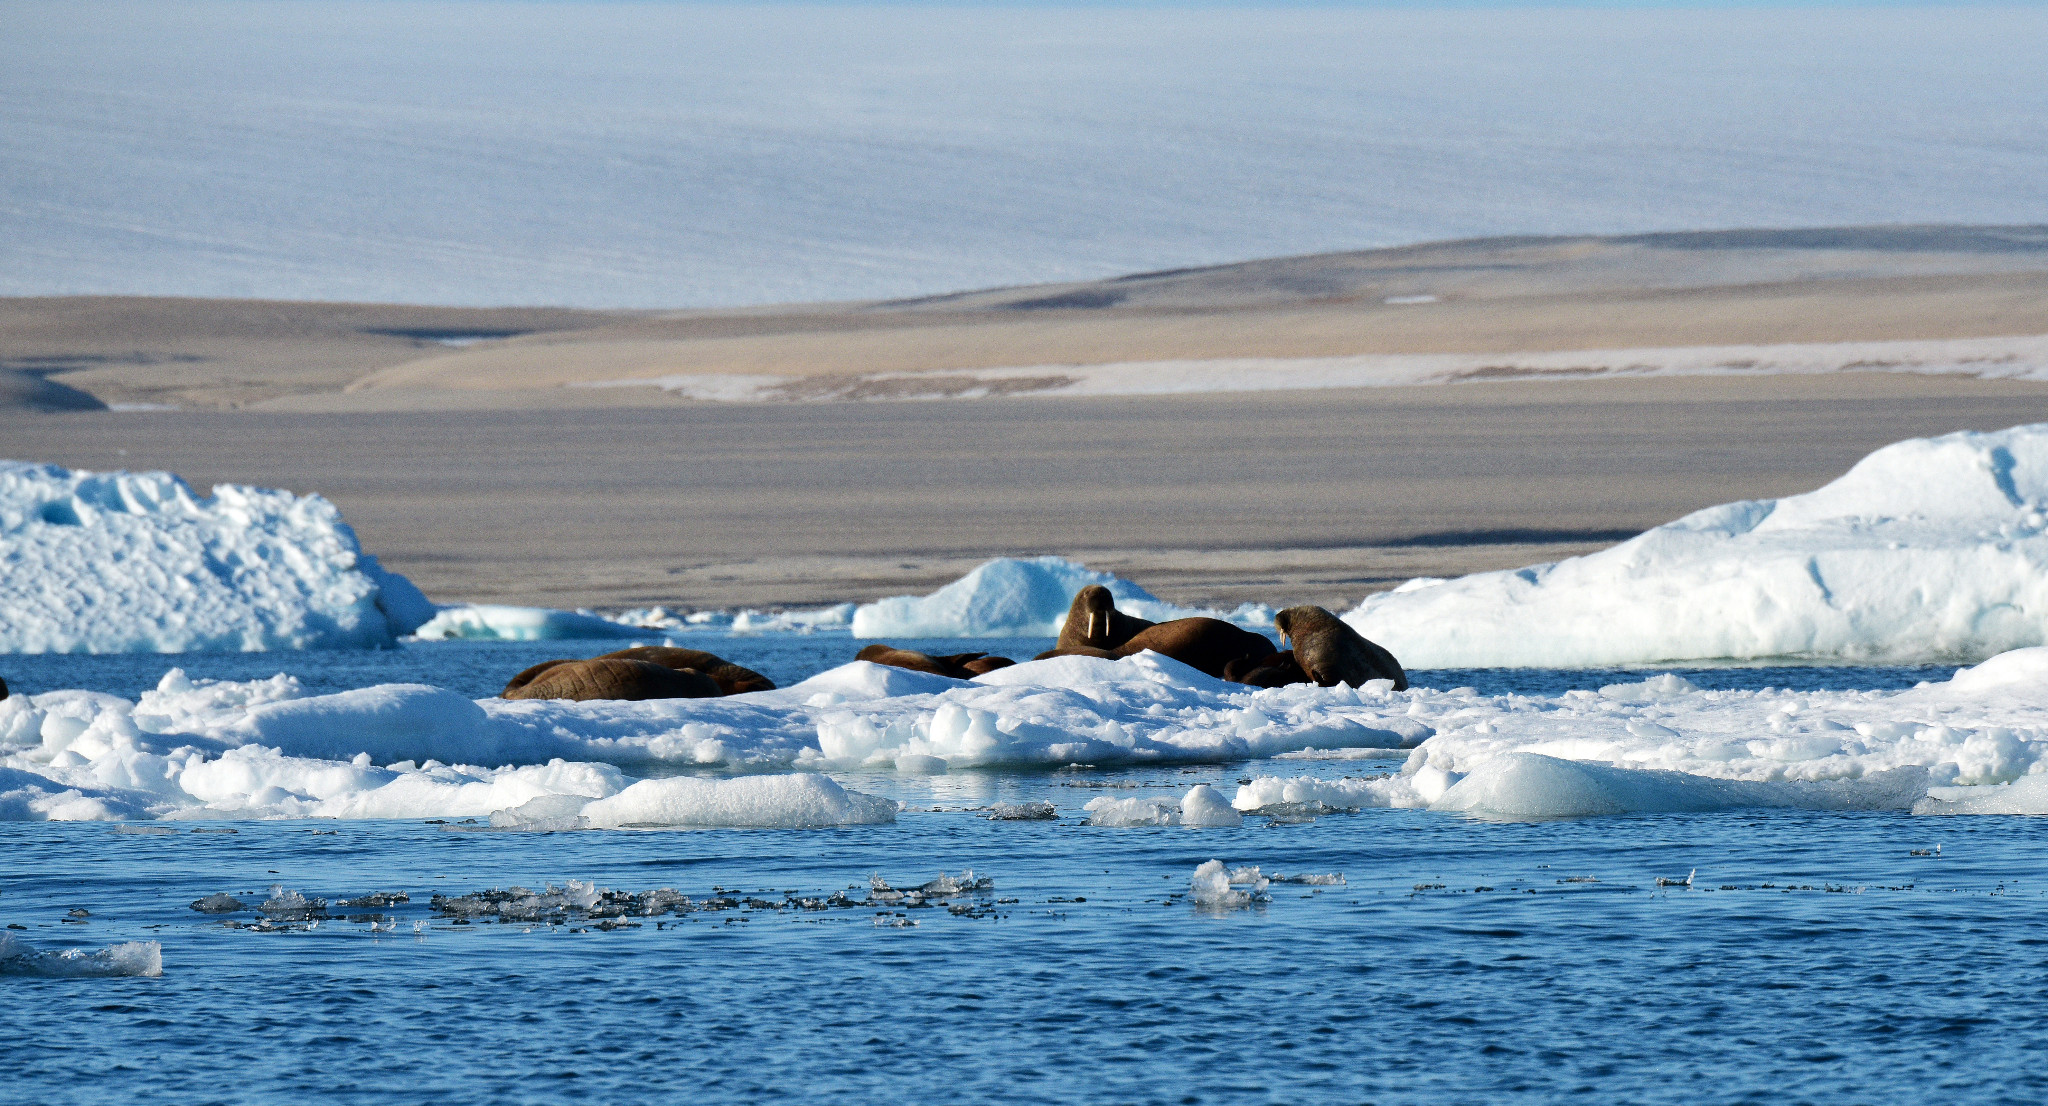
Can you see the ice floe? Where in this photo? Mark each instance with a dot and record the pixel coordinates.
(1931, 549)
(137, 562)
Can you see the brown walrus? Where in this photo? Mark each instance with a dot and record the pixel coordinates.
(1278, 670)
(731, 678)
(1207, 644)
(1331, 652)
(958, 666)
(1094, 622)
(610, 678)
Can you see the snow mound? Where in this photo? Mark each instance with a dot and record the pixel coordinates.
(129, 958)
(1009, 597)
(490, 622)
(1929, 549)
(136, 562)
(799, 799)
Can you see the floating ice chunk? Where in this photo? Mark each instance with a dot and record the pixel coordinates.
(1106, 810)
(1266, 792)
(286, 905)
(548, 813)
(1211, 886)
(1528, 785)
(220, 902)
(797, 799)
(2028, 795)
(1202, 806)
(1929, 549)
(18, 957)
(1656, 689)
(1326, 879)
(490, 622)
(139, 563)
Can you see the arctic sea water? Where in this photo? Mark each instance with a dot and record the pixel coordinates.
(1813, 956)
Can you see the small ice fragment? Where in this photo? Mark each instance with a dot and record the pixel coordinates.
(1036, 810)
(1328, 879)
(220, 902)
(283, 905)
(1210, 887)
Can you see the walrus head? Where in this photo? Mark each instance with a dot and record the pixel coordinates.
(1094, 604)
(1301, 620)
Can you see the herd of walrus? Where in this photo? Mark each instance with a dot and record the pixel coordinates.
(1321, 650)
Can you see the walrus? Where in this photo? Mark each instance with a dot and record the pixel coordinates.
(611, 678)
(1331, 652)
(731, 678)
(1207, 644)
(1094, 621)
(958, 666)
(1278, 670)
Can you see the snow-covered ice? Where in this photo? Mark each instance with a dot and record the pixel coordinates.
(137, 562)
(1013, 597)
(1930, 549)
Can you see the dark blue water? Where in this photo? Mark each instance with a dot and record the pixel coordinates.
(1812, 960)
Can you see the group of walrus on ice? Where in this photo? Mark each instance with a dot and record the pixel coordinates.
(1323, 650)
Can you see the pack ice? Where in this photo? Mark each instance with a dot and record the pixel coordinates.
(262, 748)
(1931, 549)
(138, 563)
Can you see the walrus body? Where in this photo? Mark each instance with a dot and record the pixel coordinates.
(1278, 670)
(1094, 622)
(731, 678)
(1207, 644)
(1331, 652)
(958, 666)
(611, 678)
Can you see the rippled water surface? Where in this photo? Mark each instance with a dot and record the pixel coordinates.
(1813, 958)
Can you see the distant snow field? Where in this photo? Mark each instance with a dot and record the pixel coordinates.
(2023, 357)
(664, 155)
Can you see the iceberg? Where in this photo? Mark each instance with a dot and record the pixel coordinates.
(1930, 549)
(1012, 597)
(492, 622)
(139, 563)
